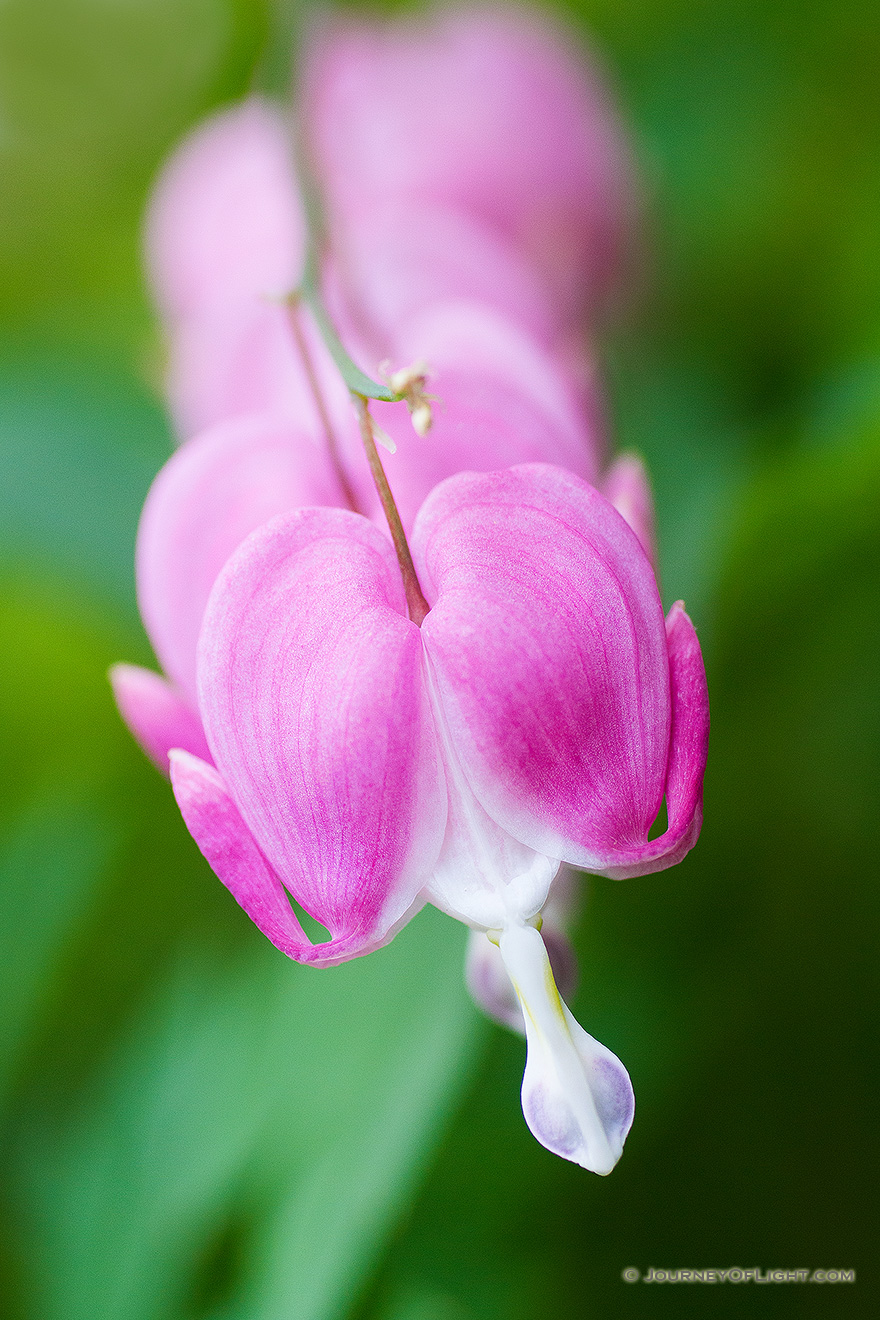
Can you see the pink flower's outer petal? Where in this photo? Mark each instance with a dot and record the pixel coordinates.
(687, 756)
(501, 400)
(233, 854)
(209, 496)
(225, 219)
(241, 357)
(627, 487)
(310, 685)
(485, 109)
(549, 646)
(394, 262)
(156, 714)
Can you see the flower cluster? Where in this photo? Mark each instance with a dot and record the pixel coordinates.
(456, 712)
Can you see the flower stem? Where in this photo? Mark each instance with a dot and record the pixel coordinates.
(416, 604)
(310, 285)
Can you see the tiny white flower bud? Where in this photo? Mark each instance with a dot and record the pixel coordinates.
(422, 417)
(403, 381)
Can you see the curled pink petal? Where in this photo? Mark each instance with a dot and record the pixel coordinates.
(549, 646)
(213, 820)
(156, 714)
(310, 685)
(225, 219)
(208, 497)
(688, 746)
(627, 487)
(485, 109)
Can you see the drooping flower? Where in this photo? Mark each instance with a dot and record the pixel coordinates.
(366, 765)
(486, 111)
(327, 741)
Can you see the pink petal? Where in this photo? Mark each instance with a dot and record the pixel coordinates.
(223, 838)
(209, 496)
(394, 262)
(549, 645)
(502, 399)
(485, 110)
(241, 356)
(156, 714)
(626, 485)
(687, 756)
(225, 219)
(310, 684)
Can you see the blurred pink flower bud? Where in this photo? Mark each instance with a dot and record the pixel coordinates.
(501, 399)
(627, 487)
(225, 219)
(491, 111)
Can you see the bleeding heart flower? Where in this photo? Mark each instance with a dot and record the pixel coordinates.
(484, 110)
(364, 764)
(348, 728)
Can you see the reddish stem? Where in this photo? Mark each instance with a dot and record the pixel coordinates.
(416, 604)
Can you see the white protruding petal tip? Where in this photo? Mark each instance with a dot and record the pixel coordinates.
(383, 438)
(577, 1097)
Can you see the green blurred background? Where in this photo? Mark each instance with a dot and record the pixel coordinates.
(195, 1129)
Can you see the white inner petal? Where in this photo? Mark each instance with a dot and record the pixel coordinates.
(484, 877)
(577, 1097)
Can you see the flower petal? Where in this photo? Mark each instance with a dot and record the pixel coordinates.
(487, 110)
(577, 1097)
(225, 219)
(490, 986)
(627, 487)
(232, 853)
(209, 496)
(156, 714)
(241, 356)
(483, 877)
(689, 743)
(310, 685)
(548, 641)
(502, 399)
(392, 263)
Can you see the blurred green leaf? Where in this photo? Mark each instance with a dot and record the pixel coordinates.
(50, 865)
(80, 441)
(93, 94)
(303, 1103)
